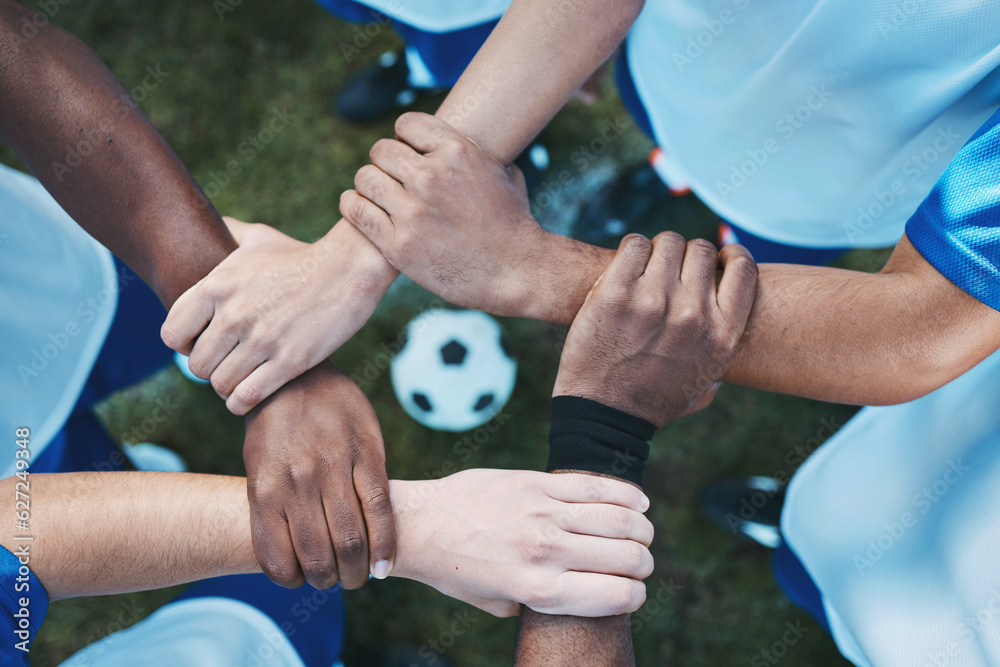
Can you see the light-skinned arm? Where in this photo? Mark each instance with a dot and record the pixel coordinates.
(656, 317)
(824, 333)
(266, 315)
(555, 542)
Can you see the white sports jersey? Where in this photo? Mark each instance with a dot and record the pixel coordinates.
(198, 632)
(58, 294)
(821, 123)
(440, 15)
(895, 518)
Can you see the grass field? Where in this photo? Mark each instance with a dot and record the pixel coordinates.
(222, 78)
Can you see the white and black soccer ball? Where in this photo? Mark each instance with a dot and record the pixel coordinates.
(455, 371)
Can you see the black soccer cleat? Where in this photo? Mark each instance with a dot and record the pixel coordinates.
(747, 507)
(630, 202)
(380, 89)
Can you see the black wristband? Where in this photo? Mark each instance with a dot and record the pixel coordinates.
(587, 435)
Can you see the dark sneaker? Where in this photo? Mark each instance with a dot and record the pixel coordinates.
(378, 90)
(747, 507)
(635, 201)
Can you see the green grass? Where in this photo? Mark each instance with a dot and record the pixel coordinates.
(225, 78)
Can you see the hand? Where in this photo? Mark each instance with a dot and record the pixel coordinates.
(275, 308)
(316, 481)
(656, 333)
(559, 544)
(451, 217)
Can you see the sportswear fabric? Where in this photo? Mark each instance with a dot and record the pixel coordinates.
(588, 435)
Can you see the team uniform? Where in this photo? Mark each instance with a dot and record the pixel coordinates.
(818, 125)
(80, 325)
(895, 518)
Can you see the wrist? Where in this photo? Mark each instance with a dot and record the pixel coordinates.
(408, 499)
(345, 241)
(566, 271)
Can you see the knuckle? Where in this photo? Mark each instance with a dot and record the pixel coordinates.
(222, 384)
(620, 595)
(317, 568)
(301, 474)
(669, 239)
(404, 121)
(248, 393)
(376, 502)
(350, 546)
(621, 526)
(538, 548)
(745, 268)
(279, 571)
(358, 209)
(364, 179)
(632, 558)
(170, 336)
(198, 366)
(379, 148)
(636, 243)
(702, 247)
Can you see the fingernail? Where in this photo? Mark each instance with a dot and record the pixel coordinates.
(381, 569)
(644, 503)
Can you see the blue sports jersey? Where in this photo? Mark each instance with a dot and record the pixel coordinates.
(957, 228)
(23, 603)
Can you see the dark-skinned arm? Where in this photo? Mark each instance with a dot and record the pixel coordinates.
(633, 347)
(127, 187)
(131, 192)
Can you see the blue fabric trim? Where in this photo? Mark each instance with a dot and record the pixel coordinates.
(957, 227)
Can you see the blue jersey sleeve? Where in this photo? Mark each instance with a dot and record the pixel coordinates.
(957, 228)
(23, 603)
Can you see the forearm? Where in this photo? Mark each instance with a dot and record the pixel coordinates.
(555, 641)
(820, 332)
(108, 533)
(534, 60)
(104, 533)
(861, 338)
(121, 181)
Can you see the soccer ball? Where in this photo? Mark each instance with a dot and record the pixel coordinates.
(455, 371)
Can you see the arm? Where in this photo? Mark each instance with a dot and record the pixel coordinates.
(129, 190)
(540, 51)
(820, 332)
(650, 327)
(132, 193)
(104, 533)
(536, 57)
